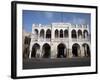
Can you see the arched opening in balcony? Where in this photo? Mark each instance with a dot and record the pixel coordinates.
(61, 33)
(79, 34)
(66, 33)
(36, 33)
(73, 32)
(85, 33)
(42, 33)
(48, 33)
(56, 33)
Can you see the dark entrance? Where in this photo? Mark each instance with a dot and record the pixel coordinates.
(61, 50)
(75, 49)
(34, 50)
(86, 49)
(46, 50)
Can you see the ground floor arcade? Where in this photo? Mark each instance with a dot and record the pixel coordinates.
(60, 50)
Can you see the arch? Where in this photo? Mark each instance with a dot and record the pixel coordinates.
(35, 50)
(79, 33)
(61, 33)
(56, 33)
(73, 32)
(48, 33)
(76, 49)
(85, 33)
(61, 50)
(36, 33)
(86, 49)
(65, 33)
(42, 33)
(46, 50)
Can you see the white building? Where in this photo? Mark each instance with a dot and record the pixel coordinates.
(60, 40)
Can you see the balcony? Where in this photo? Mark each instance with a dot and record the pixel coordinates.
(61, 39)
(81, 40)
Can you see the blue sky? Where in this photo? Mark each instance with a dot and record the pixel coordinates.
(47, 17)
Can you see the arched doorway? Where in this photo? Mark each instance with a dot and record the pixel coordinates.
(46, 50)
(76, 50)
(35, 50)
(86, 49)
(61, 48)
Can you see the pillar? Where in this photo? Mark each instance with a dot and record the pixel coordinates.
(70, 55)
(30, 54)
(40, 51)
(45, 35)
(58, 34)
(82, 51)
(53, 51)
(79, 52)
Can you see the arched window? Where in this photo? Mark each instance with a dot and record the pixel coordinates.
(36, 33)
(79, 34)
(66, 33)
(85, 33)
(42, 33)
(61, 33)
(74, 34)
(48, 33)
(56, 33)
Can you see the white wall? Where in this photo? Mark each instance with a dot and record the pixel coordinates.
(5, 40)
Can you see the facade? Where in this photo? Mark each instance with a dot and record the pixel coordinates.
(60, 40)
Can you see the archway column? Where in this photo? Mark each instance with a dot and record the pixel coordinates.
(82, 51)
(53, 51)
(41, 52)
(45, 35)
(77, 35)
(30, 54)
(38, 34)
(70, 55)
(30, 51)
(79, 52)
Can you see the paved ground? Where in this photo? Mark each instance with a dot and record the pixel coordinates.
(53, 63)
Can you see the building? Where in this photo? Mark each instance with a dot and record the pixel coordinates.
(60, 40)
(26, 38)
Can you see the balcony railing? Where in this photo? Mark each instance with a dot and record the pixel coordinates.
(81, 40)
(62, 39)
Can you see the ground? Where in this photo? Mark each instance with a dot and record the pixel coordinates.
(55, 63)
